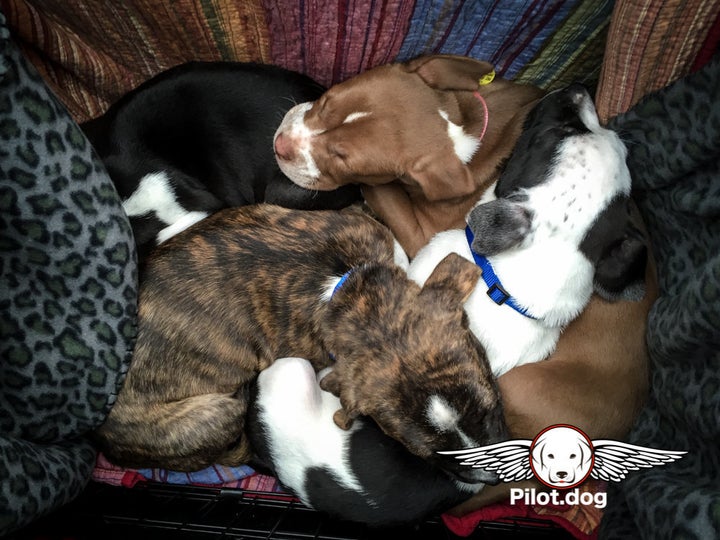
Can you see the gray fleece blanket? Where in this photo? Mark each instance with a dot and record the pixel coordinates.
(673, 138)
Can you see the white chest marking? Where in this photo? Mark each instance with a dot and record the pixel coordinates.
(154, 194)
(464, 145)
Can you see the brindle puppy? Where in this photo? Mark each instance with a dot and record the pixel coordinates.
(222, 300)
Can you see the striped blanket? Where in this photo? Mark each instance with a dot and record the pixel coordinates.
(91, 53)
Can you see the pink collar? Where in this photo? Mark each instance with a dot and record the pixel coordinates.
(485, 111)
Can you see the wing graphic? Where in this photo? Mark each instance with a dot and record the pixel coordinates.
(613, 459)
(509, 459)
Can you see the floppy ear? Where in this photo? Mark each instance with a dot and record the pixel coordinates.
(498, 225)
(617, 249)
(442, 176)
(449, 72)
(454, 277)
(620, 272)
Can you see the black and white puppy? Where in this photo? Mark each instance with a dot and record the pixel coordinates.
(359, 474)
(199, 137)
(558, 229)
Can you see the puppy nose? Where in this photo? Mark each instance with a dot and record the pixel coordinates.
(561, 474)
(283, 147)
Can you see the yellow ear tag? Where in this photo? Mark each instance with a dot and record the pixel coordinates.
(487, 78)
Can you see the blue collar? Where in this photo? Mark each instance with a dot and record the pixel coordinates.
(495, 291)
(340, 283)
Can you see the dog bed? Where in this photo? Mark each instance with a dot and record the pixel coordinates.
(90, 55)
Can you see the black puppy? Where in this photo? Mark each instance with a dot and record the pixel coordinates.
(359, 474)
(199, 137)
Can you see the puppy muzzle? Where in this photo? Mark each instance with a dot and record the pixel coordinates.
(471, 475)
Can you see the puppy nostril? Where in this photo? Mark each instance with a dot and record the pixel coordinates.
(561, 474)
(284, 147)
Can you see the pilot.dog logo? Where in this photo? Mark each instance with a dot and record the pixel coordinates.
(562, 456)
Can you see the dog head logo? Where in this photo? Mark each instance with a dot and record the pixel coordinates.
(562, 456)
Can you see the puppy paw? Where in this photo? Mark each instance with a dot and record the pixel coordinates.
(331, 383)
(343, 419)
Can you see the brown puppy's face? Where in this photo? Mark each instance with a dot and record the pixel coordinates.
(416, 121)
(406, 358)
(352, 133)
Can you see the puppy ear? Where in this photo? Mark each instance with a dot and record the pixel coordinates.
(442, 176)
(620, 272)
(344, 419)
(498, 225)
(454, 278)
(331, 383)
(449, 72)
(618, 250)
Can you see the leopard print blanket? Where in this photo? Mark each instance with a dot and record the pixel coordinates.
(67, 300)
(673, 138)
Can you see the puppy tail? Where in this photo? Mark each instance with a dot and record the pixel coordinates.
(185, 435)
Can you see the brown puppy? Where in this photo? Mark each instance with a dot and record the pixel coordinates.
(424, 137)
(224, 299)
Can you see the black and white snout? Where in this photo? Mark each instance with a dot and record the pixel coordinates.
(578, 94)
(575, 93)
(470, 475)
(584, 106)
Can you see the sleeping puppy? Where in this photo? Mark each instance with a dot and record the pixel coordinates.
(559, 229)
(358, 475)
(424, 138)
(197, 138)
(223, 300)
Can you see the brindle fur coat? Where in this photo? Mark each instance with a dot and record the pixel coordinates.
(224, 299)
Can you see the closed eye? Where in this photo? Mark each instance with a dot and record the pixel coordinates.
(337, 151)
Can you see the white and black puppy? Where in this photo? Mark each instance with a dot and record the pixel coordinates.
(359, 474)
(199, 137)
(558, 228)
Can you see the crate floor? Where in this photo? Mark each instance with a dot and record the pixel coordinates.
(162, 512)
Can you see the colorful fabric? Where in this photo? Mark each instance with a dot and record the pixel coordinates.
(579, 520)
(650, 44)
(242, 477)
(91, 53)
